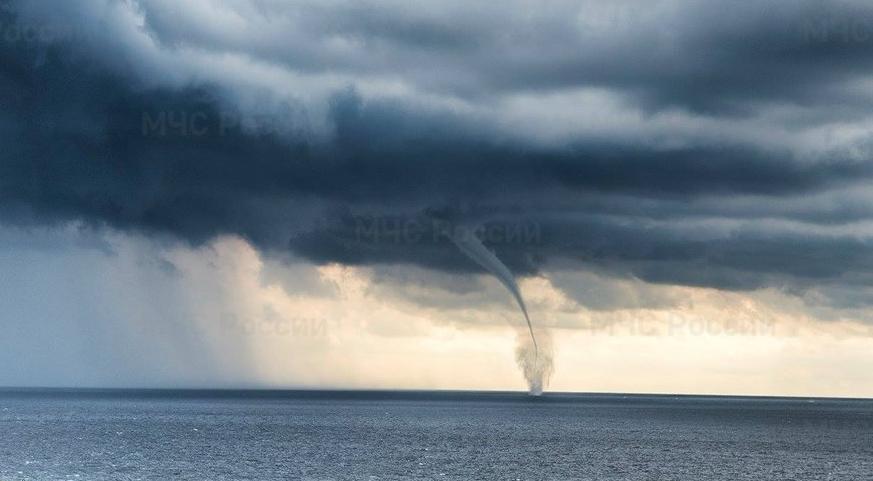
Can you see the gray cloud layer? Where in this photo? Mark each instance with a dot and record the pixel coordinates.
(715, 148)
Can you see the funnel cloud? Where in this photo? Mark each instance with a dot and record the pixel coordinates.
(536, 365)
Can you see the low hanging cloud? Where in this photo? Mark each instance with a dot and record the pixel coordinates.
(668, 141)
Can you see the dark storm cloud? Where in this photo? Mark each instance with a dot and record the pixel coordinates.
(85, 140)
(700, 55)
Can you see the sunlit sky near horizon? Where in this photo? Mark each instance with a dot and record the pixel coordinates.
(136, 313)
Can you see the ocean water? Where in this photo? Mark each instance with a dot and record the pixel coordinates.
(237, 435)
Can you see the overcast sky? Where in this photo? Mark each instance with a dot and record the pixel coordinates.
(247, 193)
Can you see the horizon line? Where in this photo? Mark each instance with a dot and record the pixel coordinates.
(340, 390)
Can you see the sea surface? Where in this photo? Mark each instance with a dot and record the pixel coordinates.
(321, 435)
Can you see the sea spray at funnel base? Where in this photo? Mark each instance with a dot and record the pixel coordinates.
(536, 366)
